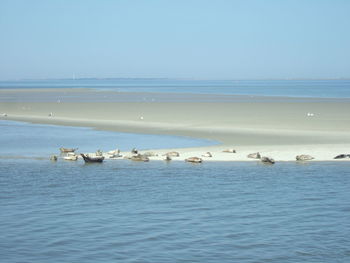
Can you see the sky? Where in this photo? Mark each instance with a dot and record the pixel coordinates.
(196, 39)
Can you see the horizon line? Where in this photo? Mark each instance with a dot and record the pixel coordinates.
(167, 78)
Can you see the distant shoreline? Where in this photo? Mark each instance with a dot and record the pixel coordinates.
(169, 78)
(66, 93)
(339, 88)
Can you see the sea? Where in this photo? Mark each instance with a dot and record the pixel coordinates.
(333, 88)
(123, 211)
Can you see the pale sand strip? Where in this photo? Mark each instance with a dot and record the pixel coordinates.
(281, 130)
(277, 152)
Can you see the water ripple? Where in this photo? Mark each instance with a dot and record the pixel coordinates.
(176, 213)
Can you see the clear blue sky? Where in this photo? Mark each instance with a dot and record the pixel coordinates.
(201, 39)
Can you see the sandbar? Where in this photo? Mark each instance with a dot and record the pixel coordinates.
(274, 126)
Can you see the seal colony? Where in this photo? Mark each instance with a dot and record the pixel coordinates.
(158, 155)
(244, 128)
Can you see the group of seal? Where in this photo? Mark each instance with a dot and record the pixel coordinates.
(269, 160)
(263, 159)
(136, 156)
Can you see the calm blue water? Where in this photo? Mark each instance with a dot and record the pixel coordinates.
(290, 88)
(177, 212)
(19, 139)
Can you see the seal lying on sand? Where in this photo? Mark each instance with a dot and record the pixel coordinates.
(71, 157)
(229, 151)
(254, 155)
(172, 154)
(304, 157)
(68, 150)
(194, 160)
(139, 158)
(150, 154)
(267, 160)
(114, 154)
(207, 154)
(342, 156)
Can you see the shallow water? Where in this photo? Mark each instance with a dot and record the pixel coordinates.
(121, 211)
(19, 139)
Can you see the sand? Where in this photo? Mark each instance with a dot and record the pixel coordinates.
(277, 127)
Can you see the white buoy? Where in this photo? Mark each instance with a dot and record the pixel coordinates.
(50, 114)
(141, 118)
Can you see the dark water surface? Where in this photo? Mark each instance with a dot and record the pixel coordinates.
(121, 211)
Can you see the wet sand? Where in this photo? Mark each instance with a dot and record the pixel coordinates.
(279, 127)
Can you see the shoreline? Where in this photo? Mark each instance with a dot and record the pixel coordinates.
(280, 130)
(281, 153)
(93, 94)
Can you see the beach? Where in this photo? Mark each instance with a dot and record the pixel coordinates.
(277, 127)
